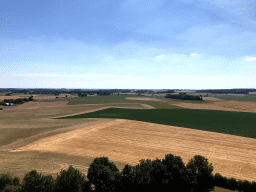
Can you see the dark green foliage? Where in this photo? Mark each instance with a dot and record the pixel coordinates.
(36, 182)
(12, 188)
(5, 179)
(235, 123)
(71, 180)
(185, 97)
(126, 182)
(176, 172)
(200, 174)
(103, 174)
(220, 181)
(246, 186)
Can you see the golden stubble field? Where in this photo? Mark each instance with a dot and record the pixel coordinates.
(128, 141)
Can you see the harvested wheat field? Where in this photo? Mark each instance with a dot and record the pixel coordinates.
(129, 141)
(222, 105)
(143, 99)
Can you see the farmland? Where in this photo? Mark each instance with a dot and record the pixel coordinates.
(48, 134)
(235, 123)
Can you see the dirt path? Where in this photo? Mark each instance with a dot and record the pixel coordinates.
(130, 141)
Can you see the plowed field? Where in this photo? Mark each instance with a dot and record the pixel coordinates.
(129, 141)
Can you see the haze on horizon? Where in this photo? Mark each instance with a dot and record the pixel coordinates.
(128, 44)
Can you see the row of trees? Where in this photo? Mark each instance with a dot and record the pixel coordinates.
(184, 97)
(168, 174)
(227, 91)
(17, 101)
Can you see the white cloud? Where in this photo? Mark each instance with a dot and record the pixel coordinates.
(250, 58)
(160, 56)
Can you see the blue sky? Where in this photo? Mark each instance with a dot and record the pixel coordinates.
(134, 44)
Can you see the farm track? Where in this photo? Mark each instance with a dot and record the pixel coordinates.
(129, 141)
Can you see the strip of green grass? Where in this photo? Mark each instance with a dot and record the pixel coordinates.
(234, 123)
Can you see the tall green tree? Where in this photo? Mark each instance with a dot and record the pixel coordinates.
(36, 182)
(71, 180)
(7, 179)
(200, 174)
(103, 174)
(176, 173)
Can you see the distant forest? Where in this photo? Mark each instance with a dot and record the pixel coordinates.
(227, 91)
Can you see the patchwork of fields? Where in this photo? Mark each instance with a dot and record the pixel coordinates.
(80, 129)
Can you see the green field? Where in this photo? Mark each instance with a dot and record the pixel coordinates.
(234, 123)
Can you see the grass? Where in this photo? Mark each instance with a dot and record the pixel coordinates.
(234, 123)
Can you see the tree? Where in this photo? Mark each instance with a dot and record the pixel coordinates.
(71, 180)
(126, 180)
(200, 174)
(5, 179)
(37, 182)
(103, 174)
(176, 173)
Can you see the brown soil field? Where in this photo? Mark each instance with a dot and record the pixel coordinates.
(129, 141)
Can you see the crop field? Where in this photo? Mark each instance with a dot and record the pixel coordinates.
(128, 141)
(43, 135)
(223, 105)
(235, 123)
(120, 99)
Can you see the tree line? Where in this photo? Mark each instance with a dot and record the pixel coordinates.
(17, 101)
(184, 96)
(227, 91)
(168, 174)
